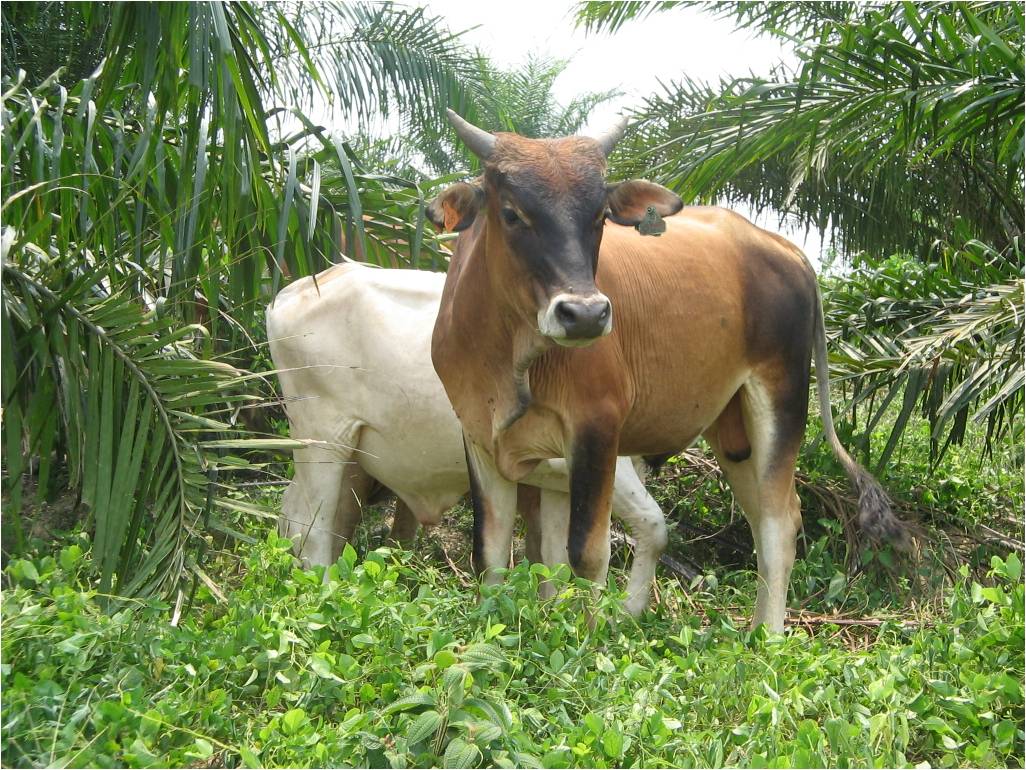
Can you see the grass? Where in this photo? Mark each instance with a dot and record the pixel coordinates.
(391, 662)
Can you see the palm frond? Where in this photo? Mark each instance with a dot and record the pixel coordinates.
(947, 343)
(148, 213)
(371, 58)
(114, 394)
(908, 114)
(603, 16)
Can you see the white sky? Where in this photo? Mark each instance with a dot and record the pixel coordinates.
(664, 46)
(634, 59)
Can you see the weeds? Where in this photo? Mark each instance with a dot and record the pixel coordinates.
(390, 662)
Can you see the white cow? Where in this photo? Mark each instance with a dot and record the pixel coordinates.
(353, 353)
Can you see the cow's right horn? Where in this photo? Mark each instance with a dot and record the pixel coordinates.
(480, 142)
(608, 140)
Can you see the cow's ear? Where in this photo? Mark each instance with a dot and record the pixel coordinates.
(456, 207)
(627, 202)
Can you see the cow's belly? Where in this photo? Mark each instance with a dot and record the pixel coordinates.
(661, 420)
(421, 460)
(673, 419)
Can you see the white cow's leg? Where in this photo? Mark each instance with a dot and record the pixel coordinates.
(550, 474)
(779, 522)
(554, 512)
(744, 484)
(775, 410)
(495, 504)
(528, 506)
(552, 479)
(356, 488)
(404, 525)
(634, 506)
(310, 503)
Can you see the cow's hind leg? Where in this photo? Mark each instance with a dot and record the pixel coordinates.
(636, 508)
(529, 508)
(310, 505)
(354, 494)
(404, 525)
(761, 475)
(554, 524)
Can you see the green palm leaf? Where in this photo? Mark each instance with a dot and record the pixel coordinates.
(900, 114)
(94, 383)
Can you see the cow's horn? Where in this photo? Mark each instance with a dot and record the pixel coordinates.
(480, 142)
(608, 140)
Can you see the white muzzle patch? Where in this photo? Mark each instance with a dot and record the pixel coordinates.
(576, 321)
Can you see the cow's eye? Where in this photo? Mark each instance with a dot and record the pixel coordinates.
(511, 217)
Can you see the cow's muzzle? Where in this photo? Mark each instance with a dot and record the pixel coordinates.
(575, 320)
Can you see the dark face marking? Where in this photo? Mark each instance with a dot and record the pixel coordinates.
(545, 203)
(551, 233)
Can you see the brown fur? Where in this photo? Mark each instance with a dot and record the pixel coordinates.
(560, 164)
(677, 354)
(730, 430)
(713, 329)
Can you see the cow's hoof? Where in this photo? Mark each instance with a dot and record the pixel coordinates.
(635, 606)
(546, 590)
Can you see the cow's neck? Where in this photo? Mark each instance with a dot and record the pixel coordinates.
(511, 345)
(527, 346)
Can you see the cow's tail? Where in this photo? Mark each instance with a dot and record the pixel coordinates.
(875, 515)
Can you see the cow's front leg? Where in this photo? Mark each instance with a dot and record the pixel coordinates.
(495, 504)
(592, 469)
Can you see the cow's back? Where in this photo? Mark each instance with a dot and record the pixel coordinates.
(354, 358)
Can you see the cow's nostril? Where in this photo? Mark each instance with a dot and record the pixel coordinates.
(604, 313)
(567, 312)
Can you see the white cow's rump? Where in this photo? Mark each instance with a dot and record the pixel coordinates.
(354, 360)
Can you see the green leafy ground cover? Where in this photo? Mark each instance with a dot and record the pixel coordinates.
(391, 662)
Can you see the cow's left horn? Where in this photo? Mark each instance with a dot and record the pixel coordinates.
(480, 142)
(608, 140)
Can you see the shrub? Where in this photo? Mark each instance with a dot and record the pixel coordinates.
(390, 662)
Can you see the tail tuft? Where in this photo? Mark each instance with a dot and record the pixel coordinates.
(876, 518)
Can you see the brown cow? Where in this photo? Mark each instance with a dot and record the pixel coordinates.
(563, 332)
